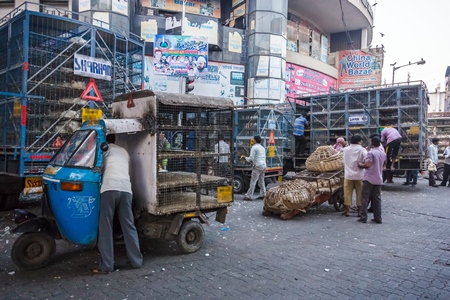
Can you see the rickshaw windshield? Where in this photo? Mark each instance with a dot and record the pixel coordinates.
(78, 151)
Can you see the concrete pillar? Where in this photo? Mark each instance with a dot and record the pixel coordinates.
(266, 48)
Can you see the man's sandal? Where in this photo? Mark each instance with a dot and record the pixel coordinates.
(98, 271)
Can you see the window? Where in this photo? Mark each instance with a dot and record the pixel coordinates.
(78, 151)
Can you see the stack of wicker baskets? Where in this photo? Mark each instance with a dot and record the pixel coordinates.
(325, 159)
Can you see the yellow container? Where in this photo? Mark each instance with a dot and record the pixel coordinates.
(271, 151)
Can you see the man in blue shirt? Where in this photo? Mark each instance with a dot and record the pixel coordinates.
(299, 130)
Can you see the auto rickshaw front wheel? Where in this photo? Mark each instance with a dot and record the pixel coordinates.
(190, 236)
(33, 250)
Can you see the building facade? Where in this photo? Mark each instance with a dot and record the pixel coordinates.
(258, 51)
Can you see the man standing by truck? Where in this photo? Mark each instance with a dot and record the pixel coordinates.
(373, 165)
(353, 175)
(115, 193)
(433, 154)
(392, 138)
(299, 131)
(258, 159)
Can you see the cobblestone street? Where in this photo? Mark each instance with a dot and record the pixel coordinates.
(317, 255)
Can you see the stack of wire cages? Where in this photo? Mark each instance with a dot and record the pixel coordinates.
(194, 156)
(403, 107)
(59, 54)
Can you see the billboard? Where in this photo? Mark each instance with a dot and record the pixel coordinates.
(301, 80)
(222, 80)
(176, 55)
(357, 69)
(210, 8)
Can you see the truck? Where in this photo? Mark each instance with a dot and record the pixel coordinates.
(41, 88)
(365, 111)
(269, 122)
(439, 127)
(175, 189)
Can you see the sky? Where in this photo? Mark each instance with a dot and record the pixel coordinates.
(413, 29)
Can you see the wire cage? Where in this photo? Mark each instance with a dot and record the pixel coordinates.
(269, 123)
(194, 155)
(402, 107)
(37, 67)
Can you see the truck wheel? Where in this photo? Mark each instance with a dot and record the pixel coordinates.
(190, 237)
(33, 250)
(440, 173)
(239, 184)
(338, 200)
(9, 201)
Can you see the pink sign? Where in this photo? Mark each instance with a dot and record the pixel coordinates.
(301, 80)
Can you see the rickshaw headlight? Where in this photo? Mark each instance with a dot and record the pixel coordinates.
(71, 186)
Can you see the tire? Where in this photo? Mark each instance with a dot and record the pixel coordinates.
(338, 200)
(9, 201)
(270, 180)
(190, 237)
(439, 174)
(240, 185)
(33, 250)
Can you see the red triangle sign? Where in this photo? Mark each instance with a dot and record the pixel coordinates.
(91, 85)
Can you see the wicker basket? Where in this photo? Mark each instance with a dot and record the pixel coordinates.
(325, 159)
(293, 194)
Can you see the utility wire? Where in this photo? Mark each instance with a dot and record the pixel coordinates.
(349, 38)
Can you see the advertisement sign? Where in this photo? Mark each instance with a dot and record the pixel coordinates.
(234, 42)
(84, 5)
(263, 66)
(239, 11)
(358, 69)
(324, 49)
(301, 80)
(236, 2)
(222, 80)
(200, 26)
(210, 8)
(148, 30)
(92, 67)
(101, 19)
(120, 7)
(177, 55)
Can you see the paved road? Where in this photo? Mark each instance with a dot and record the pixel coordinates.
(317, 255)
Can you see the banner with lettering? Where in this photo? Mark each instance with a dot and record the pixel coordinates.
(357, 69)
(177, 55)
(301, 80)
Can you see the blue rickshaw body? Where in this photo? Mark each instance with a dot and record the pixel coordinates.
(76, 212)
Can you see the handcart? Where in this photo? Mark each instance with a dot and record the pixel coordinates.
(329, 188)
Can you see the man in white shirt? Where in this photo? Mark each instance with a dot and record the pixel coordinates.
(353, 174)
(222, 148)
(433, 154)
(258, 159)
(115, 193)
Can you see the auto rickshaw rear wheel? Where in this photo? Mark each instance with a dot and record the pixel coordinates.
(190, 236)
(33, 250)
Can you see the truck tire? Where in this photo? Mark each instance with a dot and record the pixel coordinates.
(33, 250)
(240, 185)
(440, 173)
(190, 237)
(9, 201)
